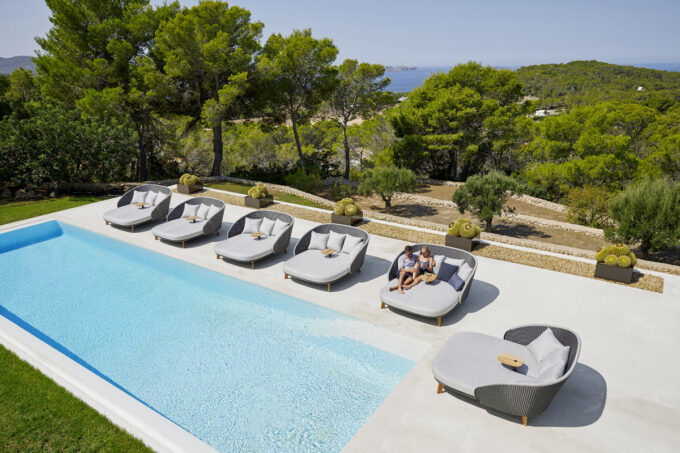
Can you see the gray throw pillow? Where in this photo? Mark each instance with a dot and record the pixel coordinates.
(456, 282)
(544, 344)
(252, 225)
(317, 241)
(335, 240)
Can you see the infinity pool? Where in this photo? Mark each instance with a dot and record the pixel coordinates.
(240, 367)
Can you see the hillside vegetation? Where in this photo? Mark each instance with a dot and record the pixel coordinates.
(588, 82)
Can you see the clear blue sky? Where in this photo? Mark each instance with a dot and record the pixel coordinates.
(431, 32)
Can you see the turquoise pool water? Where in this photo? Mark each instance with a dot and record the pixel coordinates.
(241, 367)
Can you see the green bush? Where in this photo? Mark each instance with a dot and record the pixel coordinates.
(307, 183)
(189, 180)
(340, 191)
(469, 231)
(347, 207)
(647, 213)
(601, 254)
(455, 228)
(588, 206)
(485, 195)
(616, 255)
(610, 260)
(258, 191)
(619, 249)
(623, 261)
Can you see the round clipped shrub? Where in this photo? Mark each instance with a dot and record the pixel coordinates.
(452, 231)
(347, 201)
(610, 260)
(351, 209)
(623, 261)
(191, 180)
(619, 249)
(183, 178)
(339, 209)
(454, 228)
(633, 259)
(257, 193)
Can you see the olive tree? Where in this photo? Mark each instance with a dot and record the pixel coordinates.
(385, 181)
(485, 195)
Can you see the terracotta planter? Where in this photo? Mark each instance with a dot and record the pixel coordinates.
(346, 219)
(615, 273)
(460, 243)
(257, 203)
(183, 188)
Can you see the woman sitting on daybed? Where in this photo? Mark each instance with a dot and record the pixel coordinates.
(410, 270)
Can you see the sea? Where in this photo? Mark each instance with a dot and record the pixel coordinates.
(405, 80)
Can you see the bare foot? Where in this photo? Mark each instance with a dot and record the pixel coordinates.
(407, 287)
(401, 291)
(393, 288)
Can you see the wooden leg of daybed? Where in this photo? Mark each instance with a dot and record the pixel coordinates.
(182, 244)
(329, 287)
(439, 321)
(217, 233)
(359, 271)
(165, 218)
(440, 388)
(252, 264)
(285, 276)
(133, 228)
(218, 256)
(285, 250)
(382, 305)
(155, 238)
(106, 222)
(525, 420)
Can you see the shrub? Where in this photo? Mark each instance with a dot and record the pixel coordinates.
(355, 174)
(619, 249)
(456, 228)
(601, 254)
(386, 180)
(485, 195)
(189, 180)
(648, 213)
(347, 206)
(307, 183)
(469, 231)
(340, 191)
(588, 206)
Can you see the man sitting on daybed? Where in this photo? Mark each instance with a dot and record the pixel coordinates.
(411, 267)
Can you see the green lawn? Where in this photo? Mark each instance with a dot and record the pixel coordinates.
(288, 198)
(38, 415)
(19, 210)
(35, 413)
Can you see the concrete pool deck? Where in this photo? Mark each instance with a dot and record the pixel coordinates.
(621, 397)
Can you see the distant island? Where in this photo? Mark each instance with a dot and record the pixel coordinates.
(400, 68)
(7, 65)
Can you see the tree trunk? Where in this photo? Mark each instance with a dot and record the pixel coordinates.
(388, 203)
(346, 145)
(299, 146)
(488, 225)
(644, 250)
(454, 166)
(141, 168)
(217, 150)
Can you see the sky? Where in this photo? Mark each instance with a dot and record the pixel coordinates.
(440, 32)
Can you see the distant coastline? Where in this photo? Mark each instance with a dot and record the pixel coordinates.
(400, 68)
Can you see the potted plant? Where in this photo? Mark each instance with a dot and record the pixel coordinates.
(615, 262)
(462, 234)
(258, 196)
(189, 184)
(346, 212)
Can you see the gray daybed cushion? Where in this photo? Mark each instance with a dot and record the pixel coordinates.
(469, 360)
(245, 248)
(179, 229)
(129, 215)
(314, 267)
(426, 299)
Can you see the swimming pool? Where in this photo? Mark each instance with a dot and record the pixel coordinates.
(239, 366)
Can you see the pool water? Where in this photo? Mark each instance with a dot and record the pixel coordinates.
(241, 367)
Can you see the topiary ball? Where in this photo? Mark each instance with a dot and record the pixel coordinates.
(623, 261)
(346, 201)
(620, 249)
(256, 193)
(183, 178)
(191, 180)
(602, 253)
(250, 191)
(339, 209)
(263, 189)
(610, 260)
(633, 259)
(452, 231)
(351, 209)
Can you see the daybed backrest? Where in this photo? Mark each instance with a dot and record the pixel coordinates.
(326, 228)
(238, 226)
(526, 334)
(126, 199)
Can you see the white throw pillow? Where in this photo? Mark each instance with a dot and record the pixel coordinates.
(151, 197)
(465, 271)
(544, 344)
(455, 262)
(267, 226)
(190, 210)
(350, 243)
(317, 241)
(279, 226)
(138, 196)
(212, 211)
(203, 211)
(252, 225)
(335, 240)
(160, 197)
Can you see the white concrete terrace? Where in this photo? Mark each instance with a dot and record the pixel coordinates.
(623, 395)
